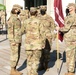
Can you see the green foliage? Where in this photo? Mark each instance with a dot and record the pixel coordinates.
(2, 7)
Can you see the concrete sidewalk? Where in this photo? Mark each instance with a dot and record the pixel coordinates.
(5, 59)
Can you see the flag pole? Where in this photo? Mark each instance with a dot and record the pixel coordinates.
(60, 23)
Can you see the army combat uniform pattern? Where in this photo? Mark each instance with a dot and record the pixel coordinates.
(69, 31)
(14, 36)
(34, 43)
(49, 27)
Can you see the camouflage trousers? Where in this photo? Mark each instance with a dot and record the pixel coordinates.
(70, 59)
(15, 53)
(33, 59)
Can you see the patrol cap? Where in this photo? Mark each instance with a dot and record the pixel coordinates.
(42, 7)
(71, 4)
(17, 6)
(33, 9)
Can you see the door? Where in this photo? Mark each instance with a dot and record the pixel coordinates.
(35, 3)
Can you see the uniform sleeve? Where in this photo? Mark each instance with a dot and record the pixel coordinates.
(42, 30)
(67, 25)
(53, 26)
(23, 27)
(17, 30)
(42, 33)
(10, 29)
(9, 22)
(17, 25)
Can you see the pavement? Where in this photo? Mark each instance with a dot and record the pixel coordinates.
(53, 64)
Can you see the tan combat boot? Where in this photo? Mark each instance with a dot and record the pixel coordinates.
(69, 73)
(15, 72)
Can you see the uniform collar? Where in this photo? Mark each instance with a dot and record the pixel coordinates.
(14, 15)
(72, 14)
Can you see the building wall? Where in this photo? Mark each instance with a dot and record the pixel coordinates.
(1, 1)
(4, 2)
(50, 8)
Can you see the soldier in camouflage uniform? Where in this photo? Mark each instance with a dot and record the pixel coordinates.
(14, 36)
(69, 31)
(18, 6)
(3, 17)
(38, 11)
(49, 27)
(27, 13)
(22, 16)
(34, 41)
(1, 26)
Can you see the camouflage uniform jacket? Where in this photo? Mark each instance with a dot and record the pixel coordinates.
(14, 29)
(34, 34)
(22, 19)
(69, 28)
(49, 25)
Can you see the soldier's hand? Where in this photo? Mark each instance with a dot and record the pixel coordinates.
(57, 28)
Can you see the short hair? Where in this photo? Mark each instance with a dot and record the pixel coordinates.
(13, 10)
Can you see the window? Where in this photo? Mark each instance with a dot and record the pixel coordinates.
(34, 3)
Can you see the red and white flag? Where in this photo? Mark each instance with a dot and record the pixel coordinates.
(59, 18)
